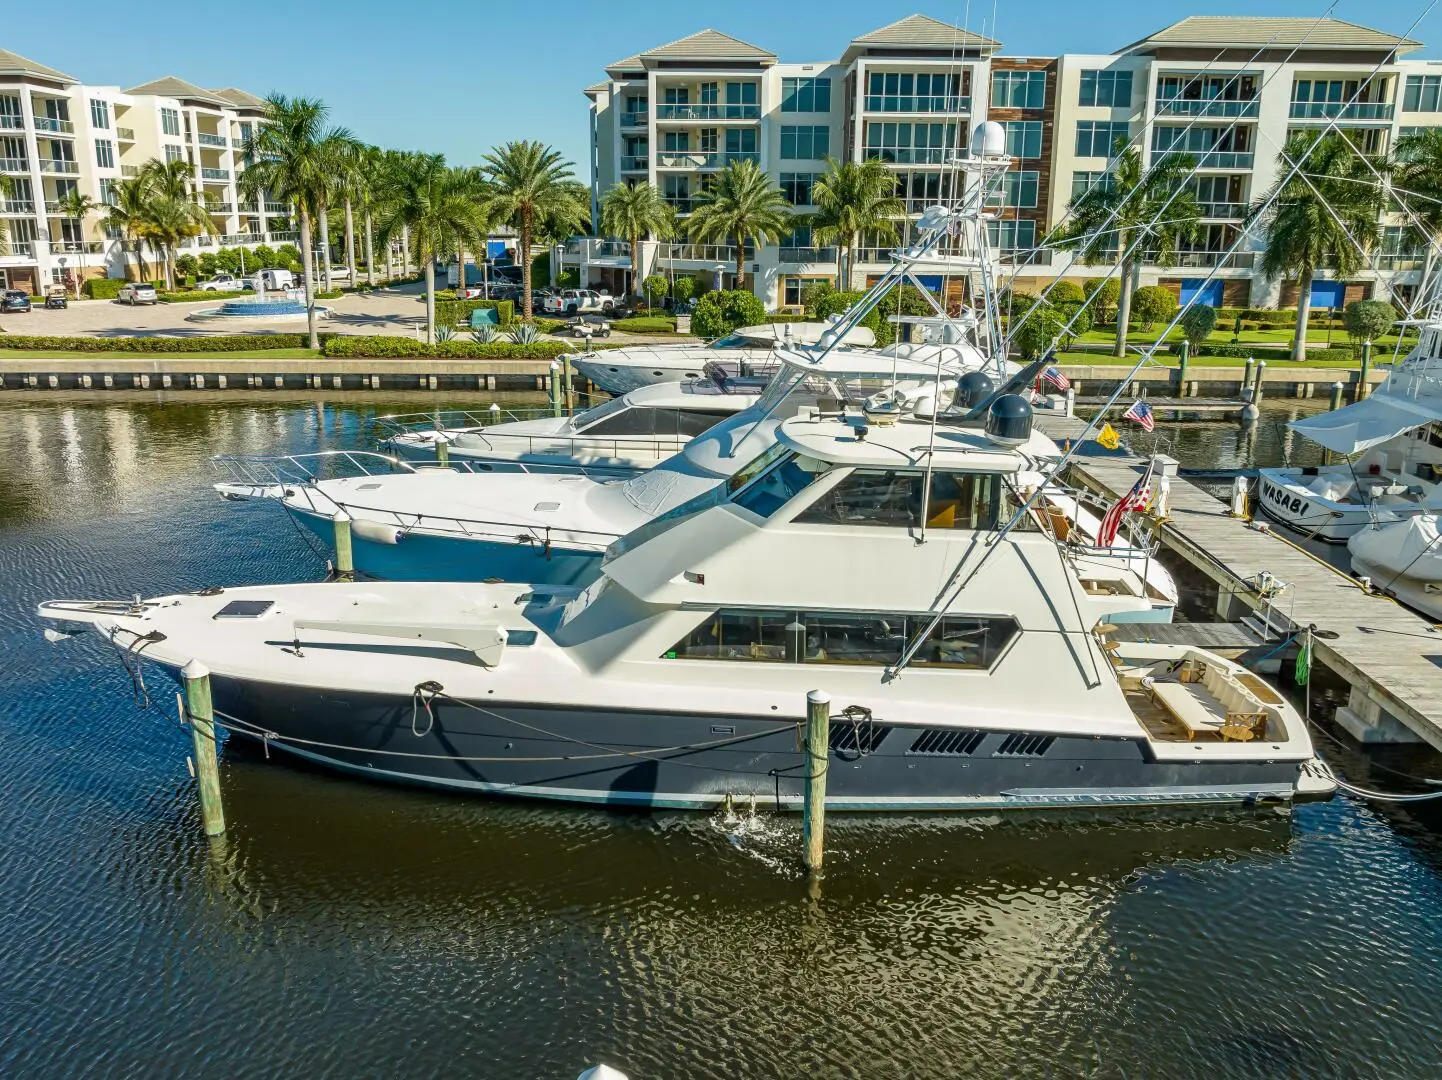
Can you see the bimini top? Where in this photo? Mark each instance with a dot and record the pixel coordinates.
(801, 333)
(1365, 424)
(851, 440)
(857, 362)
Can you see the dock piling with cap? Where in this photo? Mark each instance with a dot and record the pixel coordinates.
(818, 761)
(200, 713)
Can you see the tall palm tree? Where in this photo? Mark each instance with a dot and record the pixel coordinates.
(853, 198)
(435, 208)
(368, 177)
(634, 211)
(7, 189)
(127, 213)
(350, 182)
(1323, 215)
(468, 182)
(1132, 214)
(530, 182)
(743, 205)
(1416, 169)
(290, 155)
(171, 213)
(77, 206)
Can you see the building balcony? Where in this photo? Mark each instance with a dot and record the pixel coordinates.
(1184, 260)
(277, 208)
(708, 111)
(917, 103)
(52, 206)
(910, 155)
(14, 165)
(215, 174)
(873, 254)
(11, 123)
(707, 253)
(1341, 110)
(282, 237)
(205, 138)
(237, 144)
(220, 208)
(130, 170)
(1025, 256)
(808, 254)
(77, 247)
(19, 249)
(58, 127)
(682, 204)
(1224, 210)
(239, 239)
(1212, 159)
(1400, 261)
(1214, 108)
(59, 165)
(685, 159)
(125, 134)
(634, 163)
(17, 206)
(637, 119)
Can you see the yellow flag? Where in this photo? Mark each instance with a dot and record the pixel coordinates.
(1109, 438)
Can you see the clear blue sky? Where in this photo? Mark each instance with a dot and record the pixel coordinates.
(461, 77)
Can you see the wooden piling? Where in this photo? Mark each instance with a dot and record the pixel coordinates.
(1336, 402)
(201, 714)
(443, 452)
(1363, 390)
(1247, 375)
(570, 385)
(553, 388)
(818, 761)
(1257, 386)
(1184, 354)
(344, 558)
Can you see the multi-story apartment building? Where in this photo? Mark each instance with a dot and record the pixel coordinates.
(59, 136)
(1227, 91)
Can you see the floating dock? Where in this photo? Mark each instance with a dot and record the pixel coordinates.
(1389, 656)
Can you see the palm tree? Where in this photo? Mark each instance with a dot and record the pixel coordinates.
(1416, 169)
(170, 212)
(127, 213)
(7, 189)
(743, 205)
(1323, 214)
(290, 155)
(853, 198)
(78, 206)
(469, 183)
(350, 184)
(434, 208)
(1131, 215)
(530, 183)
(633, 211)
(368, 178)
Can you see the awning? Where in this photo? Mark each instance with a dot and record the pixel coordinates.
(1358, 427)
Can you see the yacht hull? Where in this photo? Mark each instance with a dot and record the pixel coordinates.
(481, 462)
(433, 557)
(694, 761)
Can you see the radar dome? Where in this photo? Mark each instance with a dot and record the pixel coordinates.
(1008, 421)
(973, 388)
(988, 140)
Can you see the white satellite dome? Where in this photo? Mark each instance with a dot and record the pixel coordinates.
(988, 140)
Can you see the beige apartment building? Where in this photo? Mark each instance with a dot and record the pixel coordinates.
(1226, 90)
(59, 136)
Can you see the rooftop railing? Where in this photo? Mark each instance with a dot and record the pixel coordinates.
(1341, 110)
(708, 111)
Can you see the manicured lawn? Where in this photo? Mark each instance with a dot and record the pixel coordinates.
(143, 357)
(1279, 336)
(1105, 359)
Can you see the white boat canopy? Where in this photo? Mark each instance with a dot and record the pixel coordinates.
(803, 333)
(1360, 426)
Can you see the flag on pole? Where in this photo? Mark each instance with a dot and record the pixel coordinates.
(1054, 376)
(1141, 414)
(1134, 500)
(1304, 660)
(1108, 437)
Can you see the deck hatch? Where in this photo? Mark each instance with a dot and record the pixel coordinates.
(948, 741)
(244, 609)
(862, 737)
(1018, 745)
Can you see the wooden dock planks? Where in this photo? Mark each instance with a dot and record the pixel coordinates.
(1394, 653)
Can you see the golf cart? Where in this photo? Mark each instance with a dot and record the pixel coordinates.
(57, 296)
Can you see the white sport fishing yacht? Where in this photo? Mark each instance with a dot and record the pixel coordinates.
(1392, 441)
(745, 351)
(890, 562)
(619, 437)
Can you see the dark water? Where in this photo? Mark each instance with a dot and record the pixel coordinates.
(345, 930)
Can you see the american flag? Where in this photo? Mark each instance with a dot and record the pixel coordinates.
(1135, 499)
(1053, 376)
(1141, 414)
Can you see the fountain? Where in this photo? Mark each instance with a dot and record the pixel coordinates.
(289, 306)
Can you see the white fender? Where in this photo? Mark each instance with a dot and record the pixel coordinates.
(376, 532)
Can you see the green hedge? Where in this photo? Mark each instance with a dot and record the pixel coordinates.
(1269, 353)
(347, 346)
(456, 312)
(102, 288)
(190, 296)
(228, 343)
(330, 294)
(646, 325)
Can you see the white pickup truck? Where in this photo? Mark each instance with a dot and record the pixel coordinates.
(223, 282)
(580, 302)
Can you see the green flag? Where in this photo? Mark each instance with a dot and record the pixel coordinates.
(1304, 660)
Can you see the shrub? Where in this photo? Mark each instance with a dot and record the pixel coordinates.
(485, 335)
(1270, 353)
(1042, 326)
(101, 288)
(1077, 317)
(1151, 303)
(547, 326)
(188, 264)
(1367, 320)
(329, 294)
(1066, 292)
(904, 300)
(683, 289)
(190, 296)
(524, 333)
(1198, 322)
(655, 287)
(346, 345)
(814, 294)
(455, 312)
(1105, 295)
(444, 332)
(836, 303)
(718, 313)
(263, 257)
(220, 344)
(646, 325)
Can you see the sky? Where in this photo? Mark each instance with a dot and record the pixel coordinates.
(459, 78)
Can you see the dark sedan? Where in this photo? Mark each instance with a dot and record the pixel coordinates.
(14, 300)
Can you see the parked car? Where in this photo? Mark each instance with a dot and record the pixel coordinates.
(220, 283)
(13, 300)
(589, 326)
(136, 292)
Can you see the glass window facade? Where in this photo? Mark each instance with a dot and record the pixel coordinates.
(923, 144)
(1422, 93)
(100, 114)
(1023, 138)
(105, 153)
(796, 186)
(908, 91)
(1010, 237)
(1111, 89)
(805, 95)
(805, 141)
(1018, 90)
(1098, 138)
(1019, 188)
(170, 121)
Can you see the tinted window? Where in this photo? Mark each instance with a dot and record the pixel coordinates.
(635, 422)
(960, 642)
(775, 489)
(869, 497)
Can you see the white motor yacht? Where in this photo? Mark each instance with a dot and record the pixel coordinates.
(746, 351)
(618, 437)
(1402, 558)
(1392, 442)
(890, 563)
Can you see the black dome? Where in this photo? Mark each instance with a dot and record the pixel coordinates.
(973, 388)
(1008, 421)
